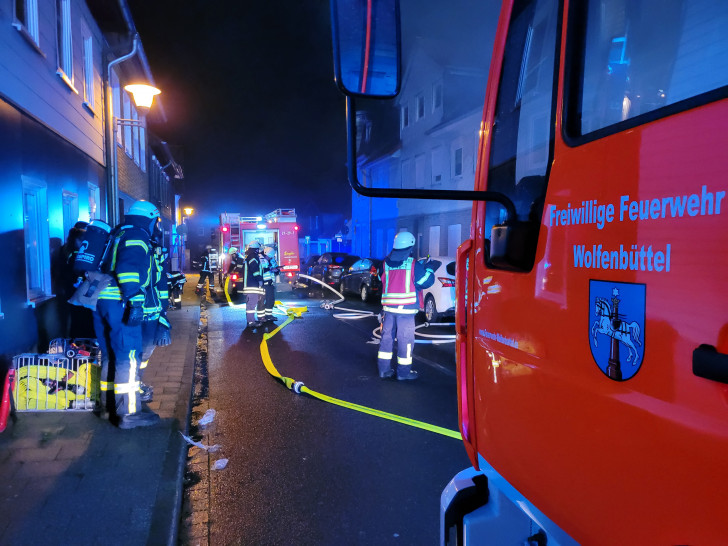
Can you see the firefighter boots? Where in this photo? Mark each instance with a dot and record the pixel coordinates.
(144, 418)
(406, 373)
(385, 369)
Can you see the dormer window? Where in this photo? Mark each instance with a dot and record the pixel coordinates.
(404, 116)
(437, 96)
(420, 101)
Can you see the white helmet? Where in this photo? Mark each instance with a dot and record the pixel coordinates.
(403, 239)
(145, 209)
(233, 250)
(255, 245)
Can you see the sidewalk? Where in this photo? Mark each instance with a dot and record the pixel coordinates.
(71, 477)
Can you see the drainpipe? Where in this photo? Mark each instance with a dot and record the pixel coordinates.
(112, 175)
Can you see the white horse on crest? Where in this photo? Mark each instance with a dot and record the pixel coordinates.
(624, 333)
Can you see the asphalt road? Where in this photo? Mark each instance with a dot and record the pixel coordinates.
(302, 471)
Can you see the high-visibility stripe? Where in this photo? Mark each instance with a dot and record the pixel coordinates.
(137, 242)
(406, 360)
(399, 310)
(106, 386)
(382, 354)
(128, 277)
(126, 388)
(130, 388)
(252, 290)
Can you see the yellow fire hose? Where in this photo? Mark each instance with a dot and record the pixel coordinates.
(298, 387)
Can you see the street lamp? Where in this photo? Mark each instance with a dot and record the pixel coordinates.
(143, 96)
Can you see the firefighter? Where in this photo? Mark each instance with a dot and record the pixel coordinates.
(252, 284)
(205, 273)
(269, 267)
(120, 313)
(156, 329)
(402, 279)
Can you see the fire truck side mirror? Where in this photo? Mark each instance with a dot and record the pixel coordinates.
(366, 44)
(513, 245)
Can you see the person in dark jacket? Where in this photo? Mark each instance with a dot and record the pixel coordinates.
(77, 322)
(252, 284)
(269, 270)
(403, 278)
(156, 329)
(205, 274)
(120, 312)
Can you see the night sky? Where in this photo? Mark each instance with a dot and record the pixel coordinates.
(249, 96)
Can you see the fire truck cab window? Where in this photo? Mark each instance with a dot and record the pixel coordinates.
(639, 56)
(522, 141)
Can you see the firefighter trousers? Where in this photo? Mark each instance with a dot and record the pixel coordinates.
(402, 327)
(267, 302)
(121, 353)
(251, 306)
(206, 275)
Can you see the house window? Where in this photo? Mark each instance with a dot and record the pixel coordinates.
(26, 18)
(407, 173)
(94, 198)
(434, 248)
(438, 162)
(404, 116)
(89, 98)
(129, 134)
(420, 102)
(70, 212)
(420, 171)
(436, 96)
(453, 238)
(65, 47)
(37, 243)
(126, 113)
(457, 162)
(135, 137)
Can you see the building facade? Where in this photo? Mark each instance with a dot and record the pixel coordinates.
(58, 105)
(439, 114)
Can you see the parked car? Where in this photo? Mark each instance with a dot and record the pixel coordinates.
(362, 278)
(331, 265)
(439, 300)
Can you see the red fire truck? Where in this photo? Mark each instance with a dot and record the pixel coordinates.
(592, 291)
(276, 230)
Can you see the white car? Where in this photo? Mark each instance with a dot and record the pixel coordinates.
(439, 299)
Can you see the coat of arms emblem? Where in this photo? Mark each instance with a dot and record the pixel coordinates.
(616, 327)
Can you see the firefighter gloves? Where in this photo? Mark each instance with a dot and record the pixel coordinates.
(134, 313)
(162, 338)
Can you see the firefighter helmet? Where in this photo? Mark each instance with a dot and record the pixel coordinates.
(255, 245)
(145, 209)
(233, 250)
(403, 239)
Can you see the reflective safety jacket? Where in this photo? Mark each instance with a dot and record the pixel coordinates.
(401, 283)
(252, 275)
(269, 266)
(156, 300)
(131, 267)
(205, 263)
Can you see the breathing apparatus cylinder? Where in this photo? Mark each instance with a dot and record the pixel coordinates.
(93, 246)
